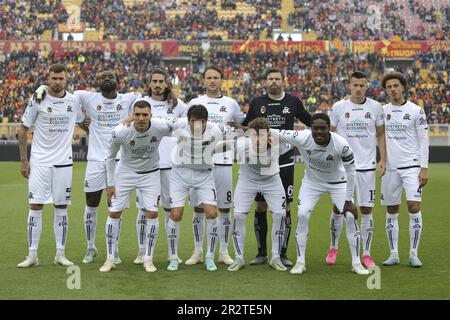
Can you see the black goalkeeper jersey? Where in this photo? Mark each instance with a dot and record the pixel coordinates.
(281, 115)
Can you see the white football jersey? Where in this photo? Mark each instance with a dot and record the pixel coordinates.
(105, 114)
(406, 136)
(195, 152)
(139, 149)
(220, 111)
(357, 124)
(258, 166)
(322, 163)
(162, 109)
(54, 121)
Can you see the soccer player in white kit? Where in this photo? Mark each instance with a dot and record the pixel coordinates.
(137, 169)
(360, 121)
(259, 170)
(221, 109)
(162, 107)
(329, 168)
(407, 165)
(106, 110)
(50, 168)
(191, 171)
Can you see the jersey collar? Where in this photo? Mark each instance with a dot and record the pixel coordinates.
(279, 99)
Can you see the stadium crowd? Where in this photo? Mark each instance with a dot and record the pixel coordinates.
(374, 19)
(318, 79)
(371, 20)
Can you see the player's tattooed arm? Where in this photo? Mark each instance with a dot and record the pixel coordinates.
(23, 146)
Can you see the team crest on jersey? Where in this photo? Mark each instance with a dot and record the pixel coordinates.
(286, 110)
(99, 108)
(49, 110)
(132, 143)
(407, 117)
(223, 109)
(330, 157)
(153, 139)
(368, 115)
(263, 109)
(170, 111)
(388, 117)
(347, 115)
(119, 107)
(69, 108)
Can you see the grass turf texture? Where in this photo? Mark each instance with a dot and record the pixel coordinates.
(129, 281)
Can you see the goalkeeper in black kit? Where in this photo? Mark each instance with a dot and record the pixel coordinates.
(281, 109)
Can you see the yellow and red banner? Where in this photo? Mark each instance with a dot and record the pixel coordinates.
(252, 47)
(167, 48)
(388, 48)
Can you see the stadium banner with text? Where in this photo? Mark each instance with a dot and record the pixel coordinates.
(280, 46)
(364, 46)
(167, 48)
(398, 49)
(435, 46)
(189, 47)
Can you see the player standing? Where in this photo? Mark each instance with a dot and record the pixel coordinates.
(360, 121)
(106, 109)
(329, 168)
(138, 169)
(281, 109)
(407, 165)
(162, 107)
(221, 109)
(50, 168)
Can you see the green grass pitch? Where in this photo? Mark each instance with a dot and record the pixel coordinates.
(129, 281)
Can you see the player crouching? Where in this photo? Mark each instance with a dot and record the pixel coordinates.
(259, 171)
(329, 168)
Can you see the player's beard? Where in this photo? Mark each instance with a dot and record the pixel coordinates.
(158, 93)
(108, 86)
(57, 88)
(275, 90)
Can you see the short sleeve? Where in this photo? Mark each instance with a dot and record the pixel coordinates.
(30, 115)
(346, 152)
(421, 120)
(380, 116)
(238, 115)
(334, 117)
